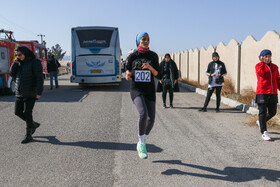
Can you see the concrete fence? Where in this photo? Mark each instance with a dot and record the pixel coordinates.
(205, 55)
(240, 60)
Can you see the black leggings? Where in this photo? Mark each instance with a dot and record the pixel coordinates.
(164, 93)
(147, 112)
(24, 108)
(271, 107)
(218, 96)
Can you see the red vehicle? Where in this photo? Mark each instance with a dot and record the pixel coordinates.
(7, 55)
(8, 46)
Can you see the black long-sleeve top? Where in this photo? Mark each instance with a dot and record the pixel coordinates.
(134, 63)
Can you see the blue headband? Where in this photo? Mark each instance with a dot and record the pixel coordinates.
(139, 36)
(265, 52)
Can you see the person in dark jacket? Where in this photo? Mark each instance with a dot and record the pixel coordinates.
(142, 66)
(52, 68)
(216, 71)
(28, 73)
(169, 80)
(266, 93)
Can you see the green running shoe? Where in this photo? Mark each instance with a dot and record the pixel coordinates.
(142, 151)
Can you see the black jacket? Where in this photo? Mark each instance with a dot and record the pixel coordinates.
(211, 69)
(174, 75)
(29, 77)
(53, 65)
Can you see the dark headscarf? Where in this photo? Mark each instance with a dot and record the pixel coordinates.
(29, 55)
(167, 55)
(215, 54)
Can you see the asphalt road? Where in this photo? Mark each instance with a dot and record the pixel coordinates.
(88, 137)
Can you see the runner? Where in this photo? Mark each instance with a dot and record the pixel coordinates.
(266, 94)
(216, 71)
(142, 66)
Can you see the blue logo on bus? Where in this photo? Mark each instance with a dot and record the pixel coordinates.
(97, 64)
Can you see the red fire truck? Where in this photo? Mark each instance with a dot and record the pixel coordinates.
(7, 55)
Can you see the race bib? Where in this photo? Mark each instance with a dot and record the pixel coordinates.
(142, 76)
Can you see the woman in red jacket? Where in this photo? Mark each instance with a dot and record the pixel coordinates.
(266, 94)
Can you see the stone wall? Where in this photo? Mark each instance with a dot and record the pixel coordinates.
(230, 55)
(194, 65)
(205, 58)
(240, 60)
(250, 50)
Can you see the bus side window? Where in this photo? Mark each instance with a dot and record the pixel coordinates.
(44, 54)
(37, 53)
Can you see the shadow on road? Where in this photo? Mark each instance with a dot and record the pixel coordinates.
(96, 144)
(274, 133)
(76, 93)
(10, 98)
(232, 174)
(222, 110)
(63, 94)
(73, 93)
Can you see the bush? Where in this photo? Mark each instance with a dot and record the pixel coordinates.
(247, 95)
(194, 83)
(228, 87)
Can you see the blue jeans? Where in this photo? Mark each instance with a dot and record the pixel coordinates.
(53, 74)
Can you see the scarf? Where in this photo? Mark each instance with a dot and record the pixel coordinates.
(141, 50)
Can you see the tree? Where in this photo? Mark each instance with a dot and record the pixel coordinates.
(57, 52)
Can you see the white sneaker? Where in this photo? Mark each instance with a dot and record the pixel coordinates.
(258, 123)
(265, 136)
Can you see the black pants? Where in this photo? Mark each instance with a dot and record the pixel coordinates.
(166, 88)
(218, 96)
(266, 111)
(147, 113)
(24, 108)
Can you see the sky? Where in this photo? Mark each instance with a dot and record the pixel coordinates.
(173, 25)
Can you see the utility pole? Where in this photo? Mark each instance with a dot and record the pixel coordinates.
(41, 35)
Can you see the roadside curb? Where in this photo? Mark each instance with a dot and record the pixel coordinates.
(187, 87)
(230, 102)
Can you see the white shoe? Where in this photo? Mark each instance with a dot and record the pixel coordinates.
(265, 136)
(258, 123)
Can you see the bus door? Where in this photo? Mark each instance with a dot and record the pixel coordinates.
(4, 65)
(4, 60)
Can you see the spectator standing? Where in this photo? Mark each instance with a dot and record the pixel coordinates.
(52, 68)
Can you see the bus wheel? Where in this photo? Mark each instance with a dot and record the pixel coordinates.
(83, 84)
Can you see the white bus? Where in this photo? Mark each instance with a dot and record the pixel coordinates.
(96, 55)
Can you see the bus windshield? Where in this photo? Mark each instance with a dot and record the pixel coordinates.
(94, 38)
